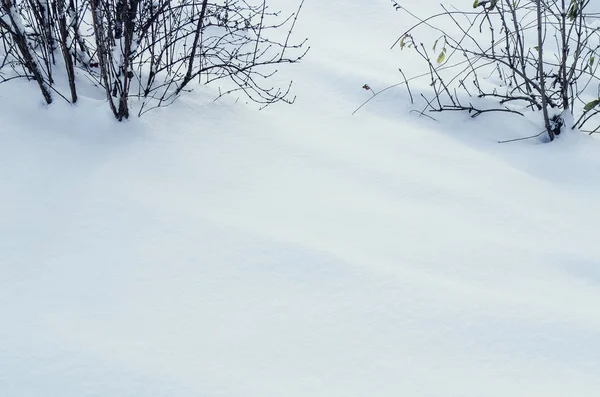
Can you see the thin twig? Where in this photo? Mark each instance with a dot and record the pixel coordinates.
(522, 139)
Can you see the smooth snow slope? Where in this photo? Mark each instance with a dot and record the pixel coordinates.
(213, 250)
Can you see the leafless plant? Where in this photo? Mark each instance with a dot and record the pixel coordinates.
(149, 50)
(537, 54)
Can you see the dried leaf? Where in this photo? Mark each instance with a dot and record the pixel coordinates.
(402, 41)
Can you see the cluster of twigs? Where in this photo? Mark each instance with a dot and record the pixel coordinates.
(146, 49)
(536, 54)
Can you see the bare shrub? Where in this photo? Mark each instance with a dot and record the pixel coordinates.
(147, 50)
(535, 54)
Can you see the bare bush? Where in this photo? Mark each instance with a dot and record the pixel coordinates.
(537, 54)
(147, 50)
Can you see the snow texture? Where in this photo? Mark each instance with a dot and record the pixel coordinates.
(209, 249)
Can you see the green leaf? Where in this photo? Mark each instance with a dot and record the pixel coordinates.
(442, 56)
(573, 10)
(402, 42)
(435, 44)
(591, 105)
(476, 4)
(592, 60)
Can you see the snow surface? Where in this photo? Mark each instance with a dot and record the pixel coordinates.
(210, 249)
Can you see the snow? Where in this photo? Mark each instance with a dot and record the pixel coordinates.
(209, 249)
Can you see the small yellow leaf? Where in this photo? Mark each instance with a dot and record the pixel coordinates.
(402, 41)
(442, 56)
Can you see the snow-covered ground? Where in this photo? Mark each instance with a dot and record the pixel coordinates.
(210, 249)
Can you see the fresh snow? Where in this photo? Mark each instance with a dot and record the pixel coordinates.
(211, 249)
